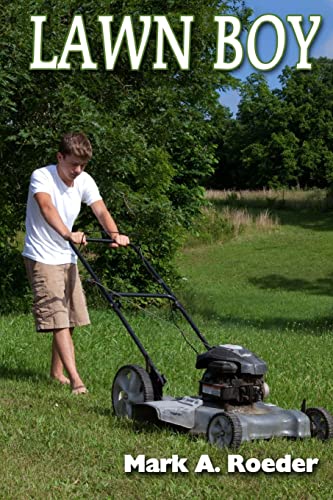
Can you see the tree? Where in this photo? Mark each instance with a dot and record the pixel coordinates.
(257, 148)
(151, 130)
(308, 99)
(281, 137)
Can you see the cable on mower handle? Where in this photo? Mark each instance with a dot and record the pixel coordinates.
(168, 295)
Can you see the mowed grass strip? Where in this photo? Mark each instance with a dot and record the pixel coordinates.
(271, 292)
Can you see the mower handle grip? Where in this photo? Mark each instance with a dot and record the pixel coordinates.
(105, 240)
(108, 240)
(100, 240)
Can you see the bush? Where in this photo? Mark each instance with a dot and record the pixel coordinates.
(151, 130)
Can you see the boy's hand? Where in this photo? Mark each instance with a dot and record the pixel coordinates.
(79, 238)
(120, 240)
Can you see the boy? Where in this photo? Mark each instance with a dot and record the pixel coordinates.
(54, 201)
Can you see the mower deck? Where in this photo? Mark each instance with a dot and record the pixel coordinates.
(226, 428)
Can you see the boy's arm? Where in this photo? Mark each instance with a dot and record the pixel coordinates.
(52, 217)
(107, 222)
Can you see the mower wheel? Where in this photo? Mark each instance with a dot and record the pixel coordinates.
(131, 385)
(321, 422)
(225, 430)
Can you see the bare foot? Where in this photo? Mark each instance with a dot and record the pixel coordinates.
(80, 389)
(62, 379)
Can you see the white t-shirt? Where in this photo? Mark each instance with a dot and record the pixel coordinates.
(42, 242)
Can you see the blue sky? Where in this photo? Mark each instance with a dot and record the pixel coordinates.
(321, 46)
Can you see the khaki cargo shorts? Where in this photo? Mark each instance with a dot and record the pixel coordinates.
(59, 300)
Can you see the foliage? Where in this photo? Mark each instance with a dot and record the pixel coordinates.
(281, 137)
(151, 130)
(308, 97)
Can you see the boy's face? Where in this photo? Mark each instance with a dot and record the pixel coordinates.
(69, 167)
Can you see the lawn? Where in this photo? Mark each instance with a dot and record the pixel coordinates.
(270, 291)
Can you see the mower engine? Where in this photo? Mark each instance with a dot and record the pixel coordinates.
(234, 376)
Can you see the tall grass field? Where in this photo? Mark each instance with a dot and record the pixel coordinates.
(265, 285)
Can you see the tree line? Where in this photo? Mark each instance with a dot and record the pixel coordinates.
(281, 137)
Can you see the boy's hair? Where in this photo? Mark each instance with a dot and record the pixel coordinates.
(76, 143)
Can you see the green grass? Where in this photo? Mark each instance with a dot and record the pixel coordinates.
(269, 291)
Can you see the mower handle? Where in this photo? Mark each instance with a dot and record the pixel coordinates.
(107, 240)
(168, 294)
(101, 240)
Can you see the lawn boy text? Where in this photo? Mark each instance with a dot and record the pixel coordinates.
(228, 31)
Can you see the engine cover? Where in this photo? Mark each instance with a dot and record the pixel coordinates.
(247, 363)
(233, 375)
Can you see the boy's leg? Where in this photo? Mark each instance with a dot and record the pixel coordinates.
(57, 367)
(64, 346)
(59, 300)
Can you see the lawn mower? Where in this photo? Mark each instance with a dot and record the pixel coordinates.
(230, 407)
